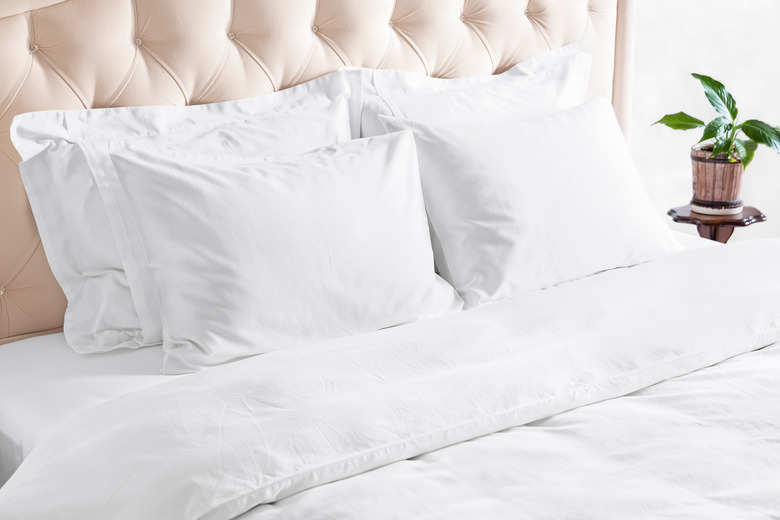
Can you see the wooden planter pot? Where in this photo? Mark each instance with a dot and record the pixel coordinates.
(716, 183)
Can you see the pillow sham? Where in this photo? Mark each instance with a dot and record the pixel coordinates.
(526, 205)
(102, 313)
(249, 255)
(552, 80)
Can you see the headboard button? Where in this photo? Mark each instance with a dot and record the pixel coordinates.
(2, 291)
(137, 42)
(462, 18)
(33, 48)
(314, 28)
(391, 23)
(231, 36)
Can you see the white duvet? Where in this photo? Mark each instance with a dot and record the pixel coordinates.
(705, 445)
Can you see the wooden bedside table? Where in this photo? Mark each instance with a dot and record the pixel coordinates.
(716, 227)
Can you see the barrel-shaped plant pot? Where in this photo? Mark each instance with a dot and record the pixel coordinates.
(717, 183)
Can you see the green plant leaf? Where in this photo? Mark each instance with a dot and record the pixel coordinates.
(715, 128)
(722, 145)
(718, 96)
(680, 121)
(762, 133)
(746, 150)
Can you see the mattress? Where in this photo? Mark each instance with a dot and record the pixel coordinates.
(43, 382)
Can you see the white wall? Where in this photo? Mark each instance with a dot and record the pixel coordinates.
(738, 43)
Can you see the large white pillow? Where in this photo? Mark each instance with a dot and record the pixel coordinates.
(102, 313)
(529, 204)
(248, 255)
(552, 80)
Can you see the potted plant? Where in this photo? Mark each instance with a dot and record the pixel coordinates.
(721, 155)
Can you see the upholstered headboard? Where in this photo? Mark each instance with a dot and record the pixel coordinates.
(57, 54)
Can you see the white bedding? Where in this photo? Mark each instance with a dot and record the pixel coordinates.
(215, 444)
(43, 382)
(694, 241)
(702, 446)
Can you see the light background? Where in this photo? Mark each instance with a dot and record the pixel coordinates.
(738, 43)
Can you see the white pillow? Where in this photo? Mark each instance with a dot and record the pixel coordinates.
(248, 255)
(553, 80)
(69, 212)
(526, 205)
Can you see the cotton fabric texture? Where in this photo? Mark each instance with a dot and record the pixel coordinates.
(529, 204)
(333, 417)
(553, 80)
(102, 313)
(250, 255)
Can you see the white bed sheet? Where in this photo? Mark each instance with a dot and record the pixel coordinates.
(265, 428)
(43, 382)
(694, 241)
(703, 446)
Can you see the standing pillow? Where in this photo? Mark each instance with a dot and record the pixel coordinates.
(249, 255)
(530, 204)
(521, 97)
(552, 80)
(102, 312)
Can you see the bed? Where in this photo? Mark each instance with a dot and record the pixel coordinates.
(289, 280)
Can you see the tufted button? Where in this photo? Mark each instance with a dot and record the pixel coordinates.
(462, 18)
(527, 12)
(231, 36)
(33, 48)
(137, 42)
(2, 291)
(391, 23)
(589, 8)
(314, 28)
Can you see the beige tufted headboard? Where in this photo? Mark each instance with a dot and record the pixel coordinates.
(57, 54)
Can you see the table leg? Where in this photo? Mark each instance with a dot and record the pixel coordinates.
(718, 233)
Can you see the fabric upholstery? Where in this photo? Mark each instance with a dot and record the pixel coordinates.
(102, 53)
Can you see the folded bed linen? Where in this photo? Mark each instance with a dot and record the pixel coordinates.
(216, 444)
(43, 382)
(694, 241)
(700, 446)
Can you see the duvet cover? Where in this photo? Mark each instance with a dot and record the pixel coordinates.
(644, 392)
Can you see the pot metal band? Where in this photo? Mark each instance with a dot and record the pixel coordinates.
(716, 204)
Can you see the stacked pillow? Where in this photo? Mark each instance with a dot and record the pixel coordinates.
(554, 80)
(256, 254)
(228, 230)
(526, 204)
(75, 228)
